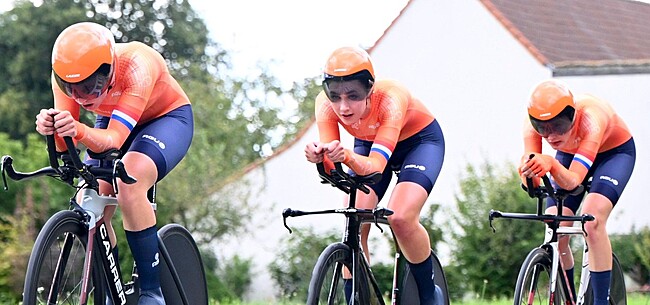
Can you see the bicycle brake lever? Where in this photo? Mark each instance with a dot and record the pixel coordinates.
(494, 230)
(5, 159)
(4, 179)
(378, 226)
(493, 214)
(286, 226)
(585, 218)
(120, 171)
(286, 213)
(380, 212)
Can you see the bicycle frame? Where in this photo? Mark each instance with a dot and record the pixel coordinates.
(355, 218)
(93, 213)
(553, 232)
(98, 244)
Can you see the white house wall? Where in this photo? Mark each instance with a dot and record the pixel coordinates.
(475, 77)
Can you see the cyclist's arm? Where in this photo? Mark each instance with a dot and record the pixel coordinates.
(123, 119)
(592, 131)
(328, 126)
(62, 102)
(532, 145)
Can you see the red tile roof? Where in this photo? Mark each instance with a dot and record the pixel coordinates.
(580, 37)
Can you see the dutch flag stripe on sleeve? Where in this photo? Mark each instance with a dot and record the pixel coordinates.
(583, 160)
(381, 149)
(124, 118)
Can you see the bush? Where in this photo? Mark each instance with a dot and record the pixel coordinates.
(295, 261)
(632, 252)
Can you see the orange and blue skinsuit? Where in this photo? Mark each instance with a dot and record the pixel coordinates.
(386, 139)
(145, 111)
(143, 90)
(598, 135)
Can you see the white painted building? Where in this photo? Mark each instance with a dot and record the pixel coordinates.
(473, 63)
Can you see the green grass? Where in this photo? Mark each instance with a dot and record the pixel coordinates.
(632, 299)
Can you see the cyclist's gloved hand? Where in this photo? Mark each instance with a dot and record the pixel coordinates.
(539, 165)
(526, 172)
(335, 151)
(536, 180)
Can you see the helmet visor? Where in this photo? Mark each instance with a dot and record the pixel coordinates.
(363, 77)
(558, 125)
(91, 87)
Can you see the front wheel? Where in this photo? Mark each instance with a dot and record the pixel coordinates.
(534, 281)
(617, 295)
(186, 259)
(55, 269)
(327, 284)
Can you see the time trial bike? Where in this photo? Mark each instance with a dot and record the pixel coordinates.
(327, 284)
(72, 262)
(542, 278)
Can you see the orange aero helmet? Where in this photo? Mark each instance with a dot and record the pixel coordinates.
(83, 59)
(347, 64)
(347, 61)
(551, 108)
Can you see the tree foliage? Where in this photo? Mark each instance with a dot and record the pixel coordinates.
(295, 261)
(237, 121)
(484, 262)
(632, 252)
(24, 207)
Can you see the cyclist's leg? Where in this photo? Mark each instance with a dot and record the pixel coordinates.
(140, 222)
(612, 170)
(155, 149)
(420, 159)
(366, 201)
(105, 187)
(566, 256)
(571, 205)
(406, 201)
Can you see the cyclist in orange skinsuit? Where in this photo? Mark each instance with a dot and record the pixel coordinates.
(592, 141)
(141, 110)
(393, 131)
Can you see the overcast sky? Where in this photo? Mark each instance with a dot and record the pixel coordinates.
(297, 35)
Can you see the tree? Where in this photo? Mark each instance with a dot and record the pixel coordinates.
(24, 208)
(26, 38)
(482, 261)
(632, 251)
(237, 121)
(295, 261)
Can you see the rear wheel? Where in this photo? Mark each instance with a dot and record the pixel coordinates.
(534, 280)
(186, 259)
(617, 295)
(56, 265)
(409, 291)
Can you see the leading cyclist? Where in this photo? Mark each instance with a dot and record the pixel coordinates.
(592, 141)
(141, 110)
(393, 131)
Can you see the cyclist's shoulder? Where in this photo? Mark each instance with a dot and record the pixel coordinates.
(391, 88)
(591, 104)
(137, 54)
(594, 112)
